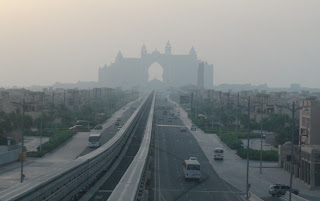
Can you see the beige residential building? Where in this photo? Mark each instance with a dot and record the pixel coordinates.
(309, 131)
(309, 141)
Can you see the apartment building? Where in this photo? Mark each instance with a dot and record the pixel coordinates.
(309, 142)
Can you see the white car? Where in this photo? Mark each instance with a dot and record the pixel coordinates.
(193, 158)
(218, 153)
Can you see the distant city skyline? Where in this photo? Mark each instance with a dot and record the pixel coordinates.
(272, 42)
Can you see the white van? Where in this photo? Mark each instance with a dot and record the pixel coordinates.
(191, 169)
(94, 140)
(218, 153)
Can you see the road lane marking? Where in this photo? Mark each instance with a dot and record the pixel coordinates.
(170, 125)
(228, 192)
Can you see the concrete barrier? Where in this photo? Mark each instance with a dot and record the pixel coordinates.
(293, 197)
(253, 197)
(131, 185)
(68, 181)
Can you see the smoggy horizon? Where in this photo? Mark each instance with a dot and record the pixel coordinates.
(273, 42)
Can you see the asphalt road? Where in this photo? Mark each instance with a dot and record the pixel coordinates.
(172, 147)
(111, 131)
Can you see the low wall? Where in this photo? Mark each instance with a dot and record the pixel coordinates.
(9, 156)
(253, 197)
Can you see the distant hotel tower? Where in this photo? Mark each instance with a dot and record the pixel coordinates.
(179, 70)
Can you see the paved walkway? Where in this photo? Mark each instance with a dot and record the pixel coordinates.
(255, 143)
(233, 169)
(10, 174)
(32, 142)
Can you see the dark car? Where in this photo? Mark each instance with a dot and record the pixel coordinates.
(77, 127)
(280, 189)
(183, 129)
(98, 127)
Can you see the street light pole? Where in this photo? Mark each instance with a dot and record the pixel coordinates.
(261, 145)
(22, 143)
(292, 157)
(248, 139)
(237, 115)
(41, 133)
(41, 124)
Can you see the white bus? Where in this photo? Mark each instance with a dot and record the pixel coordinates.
(191, 169)
(218, 153)
(94, 140)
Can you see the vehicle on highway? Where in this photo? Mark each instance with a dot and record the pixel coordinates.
(94, 140)
(218, 153)
(183, 129)
(191, 169)
(77, 127)
(193, 127)
(192, 158)
(98, 127)
(280, 189)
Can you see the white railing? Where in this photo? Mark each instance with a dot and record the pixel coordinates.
(66, 182)
(131, 186)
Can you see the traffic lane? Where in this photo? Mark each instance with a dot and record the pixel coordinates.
(174, 148)
(110, 131)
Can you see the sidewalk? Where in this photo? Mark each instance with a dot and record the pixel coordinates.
(33, 167)
(233, 169)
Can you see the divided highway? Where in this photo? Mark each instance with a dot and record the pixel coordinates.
(110, 131)
(172, 147)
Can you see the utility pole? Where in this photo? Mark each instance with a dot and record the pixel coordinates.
(248, 143)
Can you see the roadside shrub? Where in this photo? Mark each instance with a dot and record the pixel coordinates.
(267, 155)
(231, 140)
(55, 141)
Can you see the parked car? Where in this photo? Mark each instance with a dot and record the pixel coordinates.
(117, 123)
(280, 189)
(193, 127)
(183, 129)
(119, 127)
(98, 127)
(77, 127)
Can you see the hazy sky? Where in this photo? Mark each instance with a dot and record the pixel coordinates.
(249, 41)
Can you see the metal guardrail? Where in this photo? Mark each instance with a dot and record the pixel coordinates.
(131, 185)
(66, 182)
